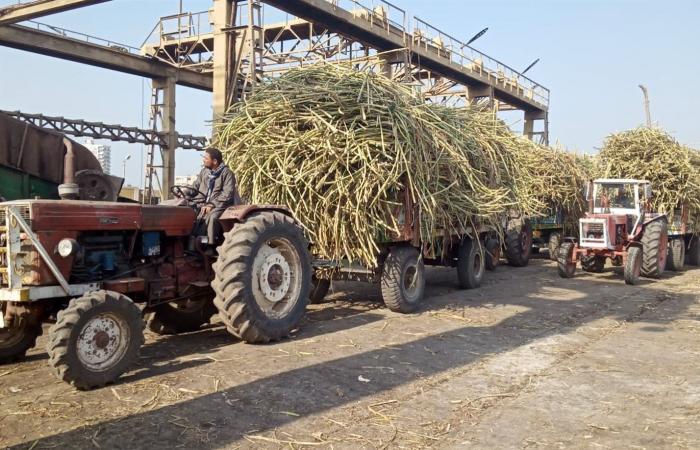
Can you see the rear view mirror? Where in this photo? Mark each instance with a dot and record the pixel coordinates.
(647, 191)
(588, 191)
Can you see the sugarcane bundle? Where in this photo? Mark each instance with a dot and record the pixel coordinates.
(340, 147)
(652, 154)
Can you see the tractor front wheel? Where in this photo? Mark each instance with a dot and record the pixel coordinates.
(633, 265)
(17, 339)
(95, 339)
(182, 316)
(654, 248)
(553, 245)
(263, 277)
(565, 266)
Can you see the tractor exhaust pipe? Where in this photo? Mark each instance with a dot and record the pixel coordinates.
(69, 189)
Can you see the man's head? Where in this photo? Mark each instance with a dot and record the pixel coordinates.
(212, 158)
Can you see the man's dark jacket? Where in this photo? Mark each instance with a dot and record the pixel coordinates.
(225, 192)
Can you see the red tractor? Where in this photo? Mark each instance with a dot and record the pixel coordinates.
(87, 265)
(618, 226)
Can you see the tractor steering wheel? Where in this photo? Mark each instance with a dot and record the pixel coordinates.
(178, 191)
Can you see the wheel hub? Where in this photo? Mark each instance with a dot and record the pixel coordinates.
(102, 342)
(275, 277)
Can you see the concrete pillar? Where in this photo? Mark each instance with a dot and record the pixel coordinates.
(223, 57)
(475, 93)
(167, 110)
(529, 125)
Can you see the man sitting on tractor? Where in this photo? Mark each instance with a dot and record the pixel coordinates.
(218, 184)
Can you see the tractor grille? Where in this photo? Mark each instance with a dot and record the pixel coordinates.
(23, 212)
(595, 229)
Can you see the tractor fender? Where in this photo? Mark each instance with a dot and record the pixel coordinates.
(239, 213)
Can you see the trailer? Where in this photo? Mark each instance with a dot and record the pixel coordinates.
(401, 261)
(548, 232)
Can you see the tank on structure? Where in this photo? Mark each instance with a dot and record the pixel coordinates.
(33, 163)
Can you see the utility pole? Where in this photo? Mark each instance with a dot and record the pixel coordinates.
(646, 103)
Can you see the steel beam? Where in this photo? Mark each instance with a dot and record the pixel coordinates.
(27, 11)
(25, 38)
(99, 130)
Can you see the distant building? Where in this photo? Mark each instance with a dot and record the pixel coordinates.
(103, 153)
(185, 180)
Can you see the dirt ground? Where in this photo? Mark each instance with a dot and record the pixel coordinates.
(528, 360)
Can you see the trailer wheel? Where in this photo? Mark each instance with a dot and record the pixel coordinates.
(403, 279)
(566, 267)
(553, 245)
(654, 248)
(319, 289)
(263, 277)
(182, 316)
(593, 263)
(95, 339)
(518, 242)
(493, 254)
(15, 341)
(470, 264)
(633, 265)
(692, 256)
(676, 254)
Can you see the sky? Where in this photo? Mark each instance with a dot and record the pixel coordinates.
(593, 55)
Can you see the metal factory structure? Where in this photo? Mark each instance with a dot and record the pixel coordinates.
(229, 50)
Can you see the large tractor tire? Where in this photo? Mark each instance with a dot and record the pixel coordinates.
(565, 266)
(633, 265)
(262, 278)
(15, 341)
(553, 245)
(403, 279)
(319, 289)
(676, 255)
(182, 316)
(95, 339)
(518, 242)
(654, 248)
(470, 264)
(493, 254)
(692, 256)
(593, 263)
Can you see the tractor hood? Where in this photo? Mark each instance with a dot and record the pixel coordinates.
(77, 215)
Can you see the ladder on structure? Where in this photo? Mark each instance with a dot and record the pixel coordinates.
(151, 170)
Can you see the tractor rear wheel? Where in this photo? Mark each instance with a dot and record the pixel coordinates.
(553, 245)
(518, 242)
(565, 266)
(676, 254)
(633, 265)
(262, 278)
(593, 263)
(470, 264)
(403, 279)
(15, 341)
(693, 254)
(493, 254)
(319, 289)
(182, 316)
(95, 339)
(654, 248)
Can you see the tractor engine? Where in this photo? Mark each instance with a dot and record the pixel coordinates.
(603, 230)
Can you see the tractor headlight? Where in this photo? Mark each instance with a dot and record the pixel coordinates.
(67, 247)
